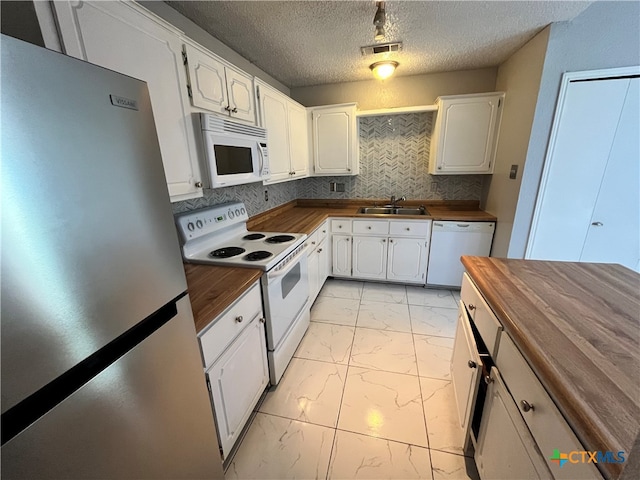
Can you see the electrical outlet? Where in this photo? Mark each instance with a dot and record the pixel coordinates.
(266, 195)
(513, 172)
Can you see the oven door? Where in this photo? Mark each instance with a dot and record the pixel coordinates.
(286, 293)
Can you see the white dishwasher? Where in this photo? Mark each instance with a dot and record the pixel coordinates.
(451, 240)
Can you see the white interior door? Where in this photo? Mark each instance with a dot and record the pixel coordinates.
(614, 231)
(579, 152)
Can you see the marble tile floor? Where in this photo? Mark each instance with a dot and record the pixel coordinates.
(367, 395)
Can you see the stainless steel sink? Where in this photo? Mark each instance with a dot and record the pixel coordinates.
(394, 210)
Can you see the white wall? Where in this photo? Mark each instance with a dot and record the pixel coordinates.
(606, 35)
(519, 77)
(398, 91)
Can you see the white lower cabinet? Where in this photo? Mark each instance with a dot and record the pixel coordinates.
(318, 255)
(235, 356)
(393, 250)
(369, 257)
(341, 255)
(506, 448)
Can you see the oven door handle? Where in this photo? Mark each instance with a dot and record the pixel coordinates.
(287, 269)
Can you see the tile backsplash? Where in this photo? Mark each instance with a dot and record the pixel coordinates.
(394, 158)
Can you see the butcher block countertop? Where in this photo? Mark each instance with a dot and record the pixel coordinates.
(578, 326)
(212, 289)
(304, 216)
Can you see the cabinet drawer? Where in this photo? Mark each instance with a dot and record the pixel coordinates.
(484, 319)
(312, 242)
(341, 226)
(548, 427)
(409, 229)
(378, 227)
(322, 232)
(221, 332)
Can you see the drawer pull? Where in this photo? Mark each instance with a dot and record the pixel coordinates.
(262, 320)
(526, 406)
(339, 226)
(313, 243)
(324, 231)
(472, 306)
(369, 228)
(408, 229)
(239, 319)
(472, 364)
(319, 250)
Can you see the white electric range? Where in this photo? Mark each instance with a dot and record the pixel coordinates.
(218, 235)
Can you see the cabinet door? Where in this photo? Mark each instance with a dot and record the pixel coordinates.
(314, 275)
(341, 255)
(505, 448)
(613, 234)
(241, 99)
(124, 37)
(466, 130)
(323, 263)
(237, 381)
(207, 80)
(407, 260)
(299, 139)
(369, 257)
(335, 140)
(466, 370)
(273, 109)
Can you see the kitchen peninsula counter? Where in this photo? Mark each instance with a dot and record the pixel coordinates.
(304, 216)
(578, 327)
(212, 289)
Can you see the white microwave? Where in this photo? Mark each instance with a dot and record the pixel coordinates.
(235, 153)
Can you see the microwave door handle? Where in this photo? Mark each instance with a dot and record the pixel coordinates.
(261, 159)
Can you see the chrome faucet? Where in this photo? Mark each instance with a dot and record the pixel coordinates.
(394, 201)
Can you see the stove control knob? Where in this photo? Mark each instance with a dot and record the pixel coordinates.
(243, 211)
(191, 226)
(231, 215)
(199, 224)
(237, 211)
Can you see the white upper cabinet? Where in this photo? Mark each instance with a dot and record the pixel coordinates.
(465, 134)
(217, 87)
(335, 140)
(287, 134)
(128, 39)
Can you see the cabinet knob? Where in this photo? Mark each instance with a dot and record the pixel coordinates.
(262, 320)
(369, 228)
(319, 250)
(472, 364)
(526, 406)
(239, 319)
(227, 108)
(384, 240)
(390, 240)
(235, 110)
(339, 226)
(597, 224)
(198, 184)
(472, 306)
(324, 231)
(313, 243)
(408, 229)
(348, 169)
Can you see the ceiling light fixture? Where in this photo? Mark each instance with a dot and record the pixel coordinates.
(384, 69)
(379, 20)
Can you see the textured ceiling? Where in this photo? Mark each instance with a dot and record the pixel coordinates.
(303, 43)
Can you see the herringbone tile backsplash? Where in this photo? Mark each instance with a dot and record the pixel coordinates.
(394, 158)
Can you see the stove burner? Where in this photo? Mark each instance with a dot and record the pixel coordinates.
(280, 239)
(257, 255)
(253, 236)
(227, 252)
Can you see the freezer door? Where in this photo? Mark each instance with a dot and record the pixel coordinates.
(89, 246)
(146, 416)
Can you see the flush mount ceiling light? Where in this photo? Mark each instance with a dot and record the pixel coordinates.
(384, 69)
(379, 20)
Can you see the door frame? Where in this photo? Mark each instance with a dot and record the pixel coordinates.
(567, 78)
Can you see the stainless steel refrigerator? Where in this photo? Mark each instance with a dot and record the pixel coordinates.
(101, 371)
